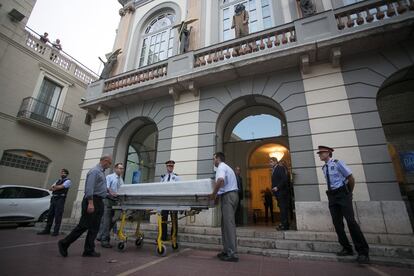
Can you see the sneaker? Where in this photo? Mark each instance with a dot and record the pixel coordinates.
(91, 254)
(63, 250)
(221, 254)
(363, 259)
(345, 252)
(227, 258)
(44, 232)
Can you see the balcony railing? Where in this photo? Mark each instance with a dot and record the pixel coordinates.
(322, 27)
(44, 114)
(60, 58)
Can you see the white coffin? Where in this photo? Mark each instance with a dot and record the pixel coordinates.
(180, 195)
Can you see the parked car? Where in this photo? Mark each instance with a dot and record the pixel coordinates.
(23, 205)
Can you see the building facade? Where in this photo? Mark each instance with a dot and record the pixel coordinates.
(340, 76)
(42, 126)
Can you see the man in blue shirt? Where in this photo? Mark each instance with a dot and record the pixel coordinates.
(113, 182)
(59, 190)
(340, 184)
(92, 210)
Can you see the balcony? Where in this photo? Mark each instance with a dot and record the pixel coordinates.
(328, 36)
(40, 114)
(59, 58)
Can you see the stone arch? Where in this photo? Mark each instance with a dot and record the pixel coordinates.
(136, 40)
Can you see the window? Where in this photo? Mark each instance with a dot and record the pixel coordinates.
(32, 193)
(260, 16)
(46, 101)
(10, 192)
(158, 40)
(142, 150)
(21, 161)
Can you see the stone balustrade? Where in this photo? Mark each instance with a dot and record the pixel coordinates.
(60, 59)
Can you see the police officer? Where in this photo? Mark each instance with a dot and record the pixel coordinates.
(169, 176)
(340, 184)
(57, 203)
(92, 210)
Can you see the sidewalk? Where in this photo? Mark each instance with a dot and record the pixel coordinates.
(22, 252)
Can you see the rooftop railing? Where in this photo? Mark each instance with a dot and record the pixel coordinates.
(59, 57)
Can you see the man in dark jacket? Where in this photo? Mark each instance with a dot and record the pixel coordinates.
(239, 210)
(280, 189)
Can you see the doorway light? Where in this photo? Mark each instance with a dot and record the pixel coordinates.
(277, 154)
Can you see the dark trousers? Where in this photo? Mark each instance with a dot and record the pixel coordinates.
(239, 214)
(283, 204)
(340, 206)
(88, 222)
(55, 213)
(269, 208)
(164, 228)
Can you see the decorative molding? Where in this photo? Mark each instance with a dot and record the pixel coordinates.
(304, 64)
(335, 57)
(174, 93)
(192, 87)
(128, 8)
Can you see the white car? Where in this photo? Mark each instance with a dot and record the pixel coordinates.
(23, 205)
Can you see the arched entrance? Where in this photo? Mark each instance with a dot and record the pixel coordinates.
(246, 127)
(137, 149)
(395, 100)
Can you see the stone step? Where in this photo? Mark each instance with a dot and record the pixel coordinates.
(372, 238)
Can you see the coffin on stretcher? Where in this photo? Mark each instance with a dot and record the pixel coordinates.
(179, 196)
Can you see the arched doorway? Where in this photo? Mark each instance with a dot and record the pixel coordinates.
(395, 100)
(244, 126)
(136, 147)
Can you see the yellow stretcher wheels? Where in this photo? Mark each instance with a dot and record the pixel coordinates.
(162, 251)
(139, 242)
(175, 246)
(121, 246)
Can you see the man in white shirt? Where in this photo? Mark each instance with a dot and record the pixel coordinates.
(169, 176)
(113, 182)
(226, 188)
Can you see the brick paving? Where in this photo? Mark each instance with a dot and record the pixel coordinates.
(22, 252)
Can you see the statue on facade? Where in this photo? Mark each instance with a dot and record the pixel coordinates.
(111, 60)
(184, 35)
(240, 21)
(307, 7)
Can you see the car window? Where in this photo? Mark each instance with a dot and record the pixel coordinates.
(10, 192)
(32, 193)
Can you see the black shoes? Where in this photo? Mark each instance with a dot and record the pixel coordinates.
(345, 252)
(282, 228)
(106, 245)
(63, 250)
(91, 254)
(54, 234)
(363, 259)
(227, 258)
(44, 232)
(221, 255)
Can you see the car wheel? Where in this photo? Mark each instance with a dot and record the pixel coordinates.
(43, 216)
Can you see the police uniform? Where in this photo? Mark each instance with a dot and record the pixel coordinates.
(164, 213)
(340, 205)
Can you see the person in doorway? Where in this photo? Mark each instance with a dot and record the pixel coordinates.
(226, 188)
(113, 182)
(169, 176)
(59, 190)
(268, 204)
(92, 210)
(340, 185)
(281, 192)
(239, 211)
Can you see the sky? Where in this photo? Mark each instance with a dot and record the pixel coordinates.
(258, 126)
(86, 28)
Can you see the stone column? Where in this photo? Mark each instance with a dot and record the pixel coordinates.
(123, 34)
(94, 151)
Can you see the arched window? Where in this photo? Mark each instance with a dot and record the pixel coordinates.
(158, 39)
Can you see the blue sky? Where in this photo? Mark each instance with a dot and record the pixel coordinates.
(258, 126)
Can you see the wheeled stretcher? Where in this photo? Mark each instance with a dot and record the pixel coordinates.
(187, 197)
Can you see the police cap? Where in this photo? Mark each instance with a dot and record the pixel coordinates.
(324, 149)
